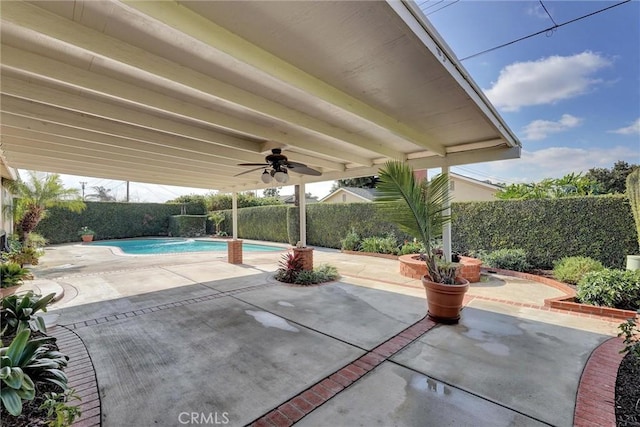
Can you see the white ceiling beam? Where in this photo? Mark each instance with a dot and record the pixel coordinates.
(46, 113)
(92, 84)
(235, 48)
(58, 156)
(106, 150)
(25, 144)
(140, 61)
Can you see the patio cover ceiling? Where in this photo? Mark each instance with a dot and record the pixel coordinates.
(179, 93)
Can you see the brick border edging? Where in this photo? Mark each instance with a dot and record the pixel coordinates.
(595, 399)
(305, 402)
(81, 376)
(566, 303)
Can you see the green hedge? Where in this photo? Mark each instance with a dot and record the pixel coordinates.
(112, 220)
(548, 230)
(187, 225)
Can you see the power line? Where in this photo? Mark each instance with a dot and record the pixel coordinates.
(445, 6)
(545, 30)
(548, 14)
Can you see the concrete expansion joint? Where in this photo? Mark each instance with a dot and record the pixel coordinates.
(299, 406)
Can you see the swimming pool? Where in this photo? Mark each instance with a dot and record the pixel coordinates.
(167, 246)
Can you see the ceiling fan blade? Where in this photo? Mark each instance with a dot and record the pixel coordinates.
(254, 164)
(251, 170)
(302, 169)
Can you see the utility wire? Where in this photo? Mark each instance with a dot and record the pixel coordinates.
(445, 6)
(548, 14)
(544, 31)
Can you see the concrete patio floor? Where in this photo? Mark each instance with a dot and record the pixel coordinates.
(191, 334)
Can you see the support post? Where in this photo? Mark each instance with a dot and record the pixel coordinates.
(303, 214)
(446, 230)
(234, 246)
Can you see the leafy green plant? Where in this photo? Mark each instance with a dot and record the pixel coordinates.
(380, 245)
(572, 269)
(25, 362)
(13, 275)
(59, 411)
(630, 330)
(633, 193)
(449, 271)
(351, 241)
(507, 259)
(18, 312)
(323, 273)
(86, 231)
(610, 288)
(290, 267)
(217, 217)
(417, 206)
(411, 247)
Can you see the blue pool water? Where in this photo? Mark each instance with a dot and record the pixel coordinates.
(166, 246)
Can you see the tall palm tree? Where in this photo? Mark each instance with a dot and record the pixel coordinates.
(418, 208)
(38, 194)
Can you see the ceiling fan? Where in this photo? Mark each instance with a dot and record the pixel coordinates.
(277, 166)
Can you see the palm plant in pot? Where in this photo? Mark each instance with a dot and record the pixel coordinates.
(633, 193)
(418, 207)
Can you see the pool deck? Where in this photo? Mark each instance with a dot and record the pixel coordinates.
(190, 333)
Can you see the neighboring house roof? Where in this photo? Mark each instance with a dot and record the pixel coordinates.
(367, 194)
(474, 181)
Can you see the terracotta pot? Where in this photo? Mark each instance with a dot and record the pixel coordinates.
(87, 237)
(444, 302)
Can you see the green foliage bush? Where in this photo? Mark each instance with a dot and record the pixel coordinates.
(630, 330)
(600, 227)
(572, 269)
(507, 259)
(411, 247)
(611, 288)
(12, 274)
(19, 312)
(380, 245)
(351, 241)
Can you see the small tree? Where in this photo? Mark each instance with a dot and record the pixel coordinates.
(218, 218)
(38, 194)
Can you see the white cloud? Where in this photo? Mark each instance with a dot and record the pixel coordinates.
(545, 81)
(554, 162)
(537, 11)
(632, 129)
(540, 129)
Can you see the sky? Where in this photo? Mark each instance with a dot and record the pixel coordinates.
(570, 94)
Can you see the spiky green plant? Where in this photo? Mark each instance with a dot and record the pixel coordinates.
(633, 193)
(417, 207)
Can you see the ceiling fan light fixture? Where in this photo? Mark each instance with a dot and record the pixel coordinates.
(281, 176)
(266, 177)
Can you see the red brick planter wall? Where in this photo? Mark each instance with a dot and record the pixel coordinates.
(415, 268)
(306, 254)
(374, 254)
(234, 251)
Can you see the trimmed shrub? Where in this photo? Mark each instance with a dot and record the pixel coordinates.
(380, 245)
(351, 242)
(600, 227)
(507, 259)
(572, 269)
(611, 288)
(113, 220)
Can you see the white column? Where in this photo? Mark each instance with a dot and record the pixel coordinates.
(234, 214)
(302, 204)
(446, 230)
